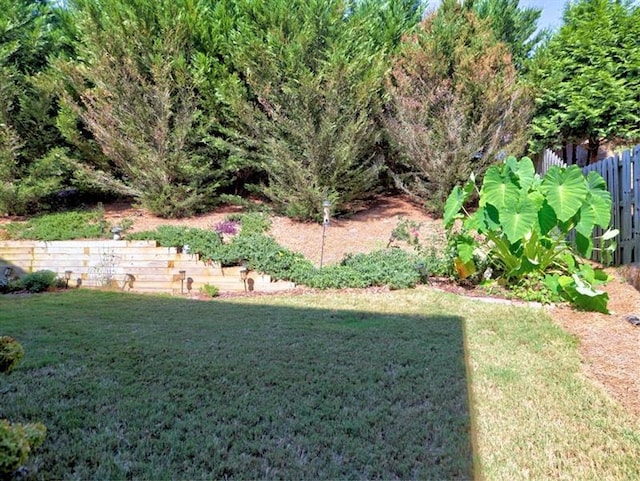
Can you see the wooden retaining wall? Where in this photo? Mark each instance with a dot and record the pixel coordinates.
(139, 266)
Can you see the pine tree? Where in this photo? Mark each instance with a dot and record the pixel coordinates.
(456, 105)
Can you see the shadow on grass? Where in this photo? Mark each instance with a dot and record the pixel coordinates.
(158, 388)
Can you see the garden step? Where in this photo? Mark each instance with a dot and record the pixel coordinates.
(155, 269)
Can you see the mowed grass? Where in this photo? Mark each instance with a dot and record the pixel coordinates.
(409, 384)
(311, 387)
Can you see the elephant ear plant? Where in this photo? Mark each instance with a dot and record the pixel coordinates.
(522, 227)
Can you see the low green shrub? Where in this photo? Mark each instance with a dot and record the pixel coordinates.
(10, 285)
(16, 440)
(200, 241)
(209, 290)
(61, 226)
(11, 353)
(393, 267)
(38, 281)
(252, 222)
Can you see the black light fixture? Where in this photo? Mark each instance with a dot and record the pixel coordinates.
(326, 210)
(67, 277)
(183, 276)
(7, 272)
(244, 275)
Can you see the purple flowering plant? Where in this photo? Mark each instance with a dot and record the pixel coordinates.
(230, 227)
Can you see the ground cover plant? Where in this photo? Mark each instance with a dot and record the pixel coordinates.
(248, 243)
(333, 385)
(61, 226)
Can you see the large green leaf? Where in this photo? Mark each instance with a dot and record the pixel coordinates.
(588, 298)
(455, 201)
(547, 218)
(498, 190)
(595, 211)
(518, 219)
(525, 172)
(584, 244)
(599, 199)
(565, 189)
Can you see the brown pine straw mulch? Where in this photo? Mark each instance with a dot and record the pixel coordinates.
(609, 344)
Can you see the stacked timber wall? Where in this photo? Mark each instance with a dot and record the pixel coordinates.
(139, 266)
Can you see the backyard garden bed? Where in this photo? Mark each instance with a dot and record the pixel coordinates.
(608, 343)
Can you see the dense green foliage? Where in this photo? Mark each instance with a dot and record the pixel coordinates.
(524, 221)
(135, 90)
(586, 77)
(38, 281)
(181, 104)
(514, 25)
(61, 226)
(395, 268)
(34, 166)
(314, 84)
(456, 104)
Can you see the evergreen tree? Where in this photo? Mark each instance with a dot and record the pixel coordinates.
(33, 163)
(586, 77)
(135, 93)
(515, 25)
(456, 104)
(313, 72)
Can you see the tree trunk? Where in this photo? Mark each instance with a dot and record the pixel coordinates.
(593, 147)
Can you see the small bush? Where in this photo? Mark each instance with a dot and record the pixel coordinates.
(200, 241)
(16, 442)
(395, 268)
(38, 281)
(11, 353)
(252, 222)
(61, 226)
(209, 290)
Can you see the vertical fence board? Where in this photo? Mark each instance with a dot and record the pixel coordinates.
(635, 235)
(625, 208)
(548, 160)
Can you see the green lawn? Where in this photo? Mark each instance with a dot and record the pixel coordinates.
(352, 385)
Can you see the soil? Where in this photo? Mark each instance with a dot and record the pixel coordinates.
(609, 344)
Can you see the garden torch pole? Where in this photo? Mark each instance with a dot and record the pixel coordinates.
(326, 205)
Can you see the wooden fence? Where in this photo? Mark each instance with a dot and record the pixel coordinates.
(622, 174)
(547, 160)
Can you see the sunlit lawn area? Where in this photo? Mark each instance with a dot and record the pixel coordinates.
(408, 384)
